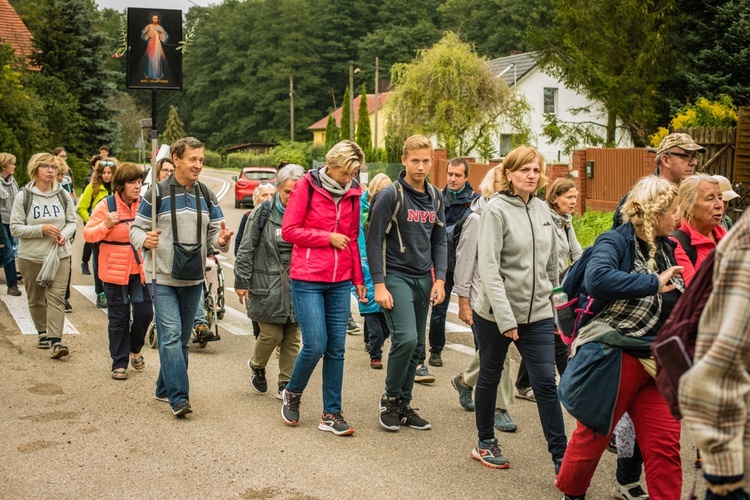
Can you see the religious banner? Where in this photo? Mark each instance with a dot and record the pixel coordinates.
(154, 61)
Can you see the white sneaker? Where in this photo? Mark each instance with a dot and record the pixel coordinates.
(631, 491)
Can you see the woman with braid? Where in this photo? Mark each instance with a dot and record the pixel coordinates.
(633, 271)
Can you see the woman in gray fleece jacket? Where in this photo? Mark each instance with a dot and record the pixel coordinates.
(518, 270)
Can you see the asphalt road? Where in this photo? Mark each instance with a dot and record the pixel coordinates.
(72, 432)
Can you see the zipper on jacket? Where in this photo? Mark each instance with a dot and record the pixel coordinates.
(335, 250)
(533, 264)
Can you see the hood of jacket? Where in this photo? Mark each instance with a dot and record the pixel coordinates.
(478, 205)
(561, 220)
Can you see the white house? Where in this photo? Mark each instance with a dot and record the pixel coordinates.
(546, 94)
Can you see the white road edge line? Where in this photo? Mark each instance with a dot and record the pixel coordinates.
(19, 311)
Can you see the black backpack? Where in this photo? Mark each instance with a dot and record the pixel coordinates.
(686, 244)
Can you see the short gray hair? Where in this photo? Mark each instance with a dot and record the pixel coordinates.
(290, 171)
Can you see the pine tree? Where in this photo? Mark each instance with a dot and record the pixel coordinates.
(364, 132)
(345, 116)
(332, 132)
(174, 129)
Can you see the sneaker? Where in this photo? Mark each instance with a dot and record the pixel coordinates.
(376, 364)
(632, 491)
(464, 393)
(334, 422)
(612, 445)
(410, 418)
(101, 301)
(280, 392)
(13, 291)
(182, 409)
(163, 399)
(526, 393)
(203, 333)
(435, 359)
(258, 379)
(290, 407)
(389, 413)
(352, 327)
(42, 342)
(488, 453)
(85, 268)
(558, 466)
(504, 423)
(58, 351)
(68, 307)
(422, 376)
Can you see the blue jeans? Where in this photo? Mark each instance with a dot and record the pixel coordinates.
(322, 311)
(7, 255)
(174, 308)
(536, 343)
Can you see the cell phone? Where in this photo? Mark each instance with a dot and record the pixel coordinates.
(679, 362)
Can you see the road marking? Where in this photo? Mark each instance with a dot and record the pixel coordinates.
(19, 311)
(224, 186)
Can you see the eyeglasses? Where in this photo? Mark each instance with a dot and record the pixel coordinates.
(106, 163)
(167, 170)
(48, 167)
(690, 156)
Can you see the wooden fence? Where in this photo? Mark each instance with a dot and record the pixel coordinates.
(720, 146)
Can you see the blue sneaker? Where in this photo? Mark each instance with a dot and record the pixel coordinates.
(488, 453)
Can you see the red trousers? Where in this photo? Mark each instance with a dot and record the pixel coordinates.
(657, 432)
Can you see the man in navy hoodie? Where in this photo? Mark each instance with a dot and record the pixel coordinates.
(405, 242)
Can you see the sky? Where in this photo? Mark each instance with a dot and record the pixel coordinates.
(183, 5)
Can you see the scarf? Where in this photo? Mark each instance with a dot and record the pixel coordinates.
(333, 187)
(278, 205)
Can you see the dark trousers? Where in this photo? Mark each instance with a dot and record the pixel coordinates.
(87, 249)
(536, 344)
(6, 255)
(376, 331)
(437, 320)
(126, 336)
(98, 287)
(561, 361)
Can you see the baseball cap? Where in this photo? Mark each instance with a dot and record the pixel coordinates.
(683, 141)
(727, 193)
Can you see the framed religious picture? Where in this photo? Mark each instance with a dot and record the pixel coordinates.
(153, 59)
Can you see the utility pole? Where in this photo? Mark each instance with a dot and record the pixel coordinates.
(377, 107)
(351, 100)
(291, 107)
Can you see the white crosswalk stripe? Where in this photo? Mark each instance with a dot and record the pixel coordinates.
(19, 308)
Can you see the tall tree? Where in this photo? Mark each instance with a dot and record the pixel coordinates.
(332, 132)
(615, 52)
(448, 91)
(364, 132)
(174, 129)
(346, 116)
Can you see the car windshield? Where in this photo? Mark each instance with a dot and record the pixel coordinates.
(259, 176)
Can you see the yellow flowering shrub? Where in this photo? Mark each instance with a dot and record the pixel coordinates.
(703, 113)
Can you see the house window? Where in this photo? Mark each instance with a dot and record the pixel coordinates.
(550, 100)
(506, 144)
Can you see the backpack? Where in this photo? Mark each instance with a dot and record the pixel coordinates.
(112, 207)
(581, 307)
(686, 244)
(674, 346)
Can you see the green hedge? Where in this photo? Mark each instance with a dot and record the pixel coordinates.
(590, 225)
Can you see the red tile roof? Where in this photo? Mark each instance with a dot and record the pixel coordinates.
(14, 32)
(321, 124)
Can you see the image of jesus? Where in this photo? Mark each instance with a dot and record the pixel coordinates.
(155, 35)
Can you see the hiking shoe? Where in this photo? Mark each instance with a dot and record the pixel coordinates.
(389, 413)
(464, 393)
(504, 423)
(258, 379)
(290, 407)
(410, 418)
(68, 307)
(280, 392)
(13, 291)
(631, 491)
(182, 409)
(204, 334)
(334, 422)
(352, 327)
(58, 351)
(422, 376)
(376, 364)
(85, 268)
(101, 301)
(488, 453)
(42, 342)
(435, 359)
(526, 393)
(558, 466)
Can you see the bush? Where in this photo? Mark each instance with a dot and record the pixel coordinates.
(292, 152)
(212, 159)
(590, 225)
(239, 160)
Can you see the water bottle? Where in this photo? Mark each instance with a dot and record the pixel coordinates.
(559, 297)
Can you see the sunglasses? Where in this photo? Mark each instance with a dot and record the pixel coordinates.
(106, 163)
(689, 156)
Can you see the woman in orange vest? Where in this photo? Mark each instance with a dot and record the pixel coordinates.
(121, 271)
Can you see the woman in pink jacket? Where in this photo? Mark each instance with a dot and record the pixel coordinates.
(321, 221)
(121, 271)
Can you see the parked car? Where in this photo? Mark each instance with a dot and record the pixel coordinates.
(248, 180)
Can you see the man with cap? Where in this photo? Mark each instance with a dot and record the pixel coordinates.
(727, 194)
(676, 159)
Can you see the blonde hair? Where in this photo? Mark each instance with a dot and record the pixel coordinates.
(62, 165)
(346, 155)
(558, 188)
(416, 142)
(650, 198)
(522, 155)
(377, 184)
(36, 161)
(688, 192)
(6, 159)
(487, 186)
